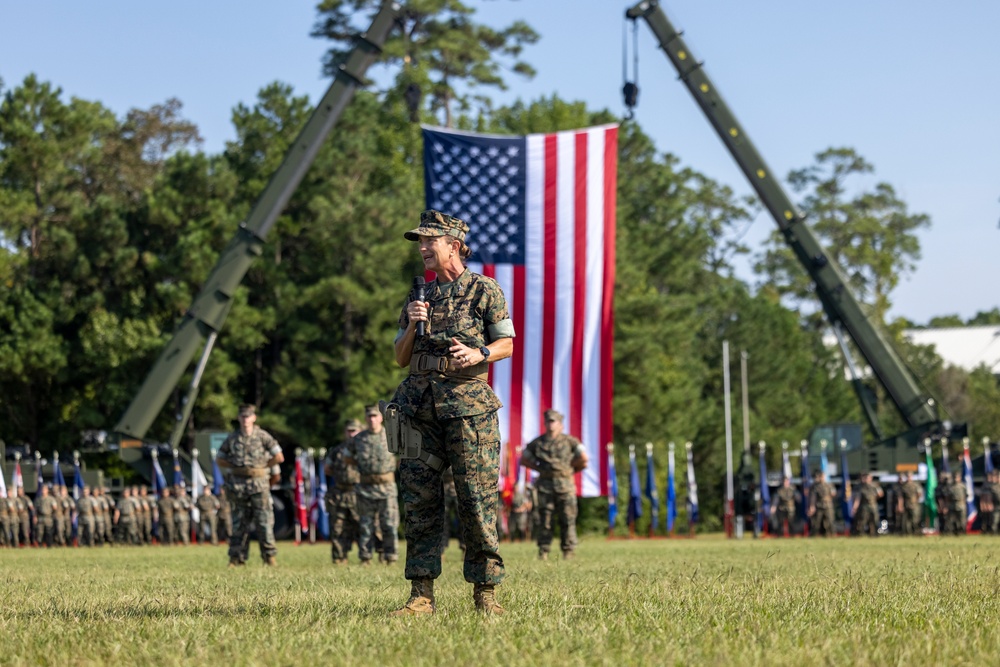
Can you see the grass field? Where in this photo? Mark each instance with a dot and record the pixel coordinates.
(888, 601)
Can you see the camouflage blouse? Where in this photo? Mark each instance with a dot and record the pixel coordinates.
(344, 474)
(371, 451)
(249, 451)
(472, 309)
(551, 456)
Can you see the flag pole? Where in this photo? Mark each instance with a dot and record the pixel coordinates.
(612, 470)
(730, 509)
(312, 482)
(688, 445)
(631, 517)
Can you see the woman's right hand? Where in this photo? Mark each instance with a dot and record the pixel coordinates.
(418, 311)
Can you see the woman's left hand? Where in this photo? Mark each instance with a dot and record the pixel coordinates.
(463, 355)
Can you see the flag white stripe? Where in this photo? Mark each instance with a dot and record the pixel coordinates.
(561, 316)
(591, 435)
(534, 275)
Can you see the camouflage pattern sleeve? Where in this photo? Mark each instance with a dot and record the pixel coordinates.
(223, 452)
(271, 444)
(496, 315)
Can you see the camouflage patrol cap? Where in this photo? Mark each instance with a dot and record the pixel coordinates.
(436, 223)
(553, 415)
(353, 424)
(247, 410)
(371, 410)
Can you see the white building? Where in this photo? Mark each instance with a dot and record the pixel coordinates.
(964, 347)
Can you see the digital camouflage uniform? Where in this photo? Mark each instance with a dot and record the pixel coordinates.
(182, 517)
(128, 523)
(957, 509)
(225, 516)
(555, 488)
(784, 503)
(910, 491)
(108, 511)
(68, 506)
(165, 509)
(376, 492)
(520, 510)
(145, 517)
(450, 509)
(22, 522)
(342, 503)
(456, 417)
(866, 521)
(86, 525)
(58, 531)
(821, 498)
(208, 511)
(98, 516)
(249, 493)
(46, 508)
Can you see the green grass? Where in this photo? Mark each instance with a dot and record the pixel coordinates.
(888, 601)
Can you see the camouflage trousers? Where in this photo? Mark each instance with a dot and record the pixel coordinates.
(146, 526)
(911, 520)
(822, 521)
(5, 533)
(561, 504)
(128, 530)
(46, 531)
(992, 520)
(471, 446)
(210, 527)
(866, 522)
(86, 529)
(953, 522)
(59, 533)
(182, 530)
(166, 530)
(248, 510)
(98, 531)
(109, 530)
(345, 525)
(384, 513)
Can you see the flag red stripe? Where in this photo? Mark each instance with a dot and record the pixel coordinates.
(579, 291)
(517, 370)
(550, 270)
(607, 305)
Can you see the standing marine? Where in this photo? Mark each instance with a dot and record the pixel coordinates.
(341, 499)
(557, 456)
(821, 505)
(447, 339)
(910, 504)
(376, 488)
(246, 458)
(866, 506)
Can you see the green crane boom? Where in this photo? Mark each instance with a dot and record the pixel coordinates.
(916, 407)
(210, 308)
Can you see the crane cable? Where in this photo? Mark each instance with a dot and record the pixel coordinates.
(630, 89)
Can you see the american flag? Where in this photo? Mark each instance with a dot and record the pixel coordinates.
(541, 212)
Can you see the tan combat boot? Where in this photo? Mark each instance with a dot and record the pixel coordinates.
(421, 599)
(271, 561)
(485, 598)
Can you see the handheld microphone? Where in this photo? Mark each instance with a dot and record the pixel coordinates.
(421, 296)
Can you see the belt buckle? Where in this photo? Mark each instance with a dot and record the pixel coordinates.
(442, 364)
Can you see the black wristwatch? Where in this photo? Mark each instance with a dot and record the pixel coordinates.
(485, 351)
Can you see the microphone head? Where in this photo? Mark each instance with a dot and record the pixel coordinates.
(418, 280)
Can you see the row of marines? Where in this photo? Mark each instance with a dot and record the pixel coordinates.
(135, 518)
(951, 496)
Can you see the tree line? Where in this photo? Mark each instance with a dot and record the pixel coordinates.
(109, 225)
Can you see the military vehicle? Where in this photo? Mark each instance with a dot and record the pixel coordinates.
(882, 455)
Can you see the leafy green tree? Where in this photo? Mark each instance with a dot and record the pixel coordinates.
(441, 52)
(869, 234)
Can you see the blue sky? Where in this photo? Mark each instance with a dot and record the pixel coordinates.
(912, 86)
